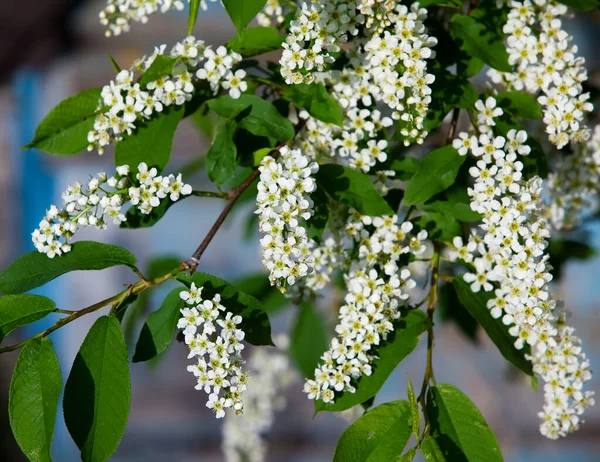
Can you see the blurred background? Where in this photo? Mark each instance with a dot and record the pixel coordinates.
(51, 49)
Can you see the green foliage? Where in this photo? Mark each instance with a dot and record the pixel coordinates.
(221, 158)
(378, 436)
(581, 5)
(64, 130)
(35, 269)
(437, 172)
(460, 430)
(479, 41)
(259, 287)
(398, 346)
(431, 451)
(255, 322)
(20, 310)
(520, 104)
(409, 456)
(152, 141)
(451, 309)
(439, 226)
(352, 188)
(242, 12)
(447, 3)
(254, 114)
(317, 101)
(309, 339)
(459, 210)
(33, 399)
(98, 391)
(415, 414)
(161, 66)
(256, 41)
(476, 305)
(193, 15)
(159, 329)
(405, 167)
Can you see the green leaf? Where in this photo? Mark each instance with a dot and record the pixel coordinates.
(259, 287)
(160, 67)
(476, 305)
(221, 158)
(398, 346)
(459, 210)
(35, 269)
(380, 435)
(520, 104)
(255, 322)
(114, 63)
(193, 15)
(20, 310)
(242, 12)
(317, 101)
(64, 130)
(309, 339)
(451, 309)
(152, 141)
(459, 428)
(405, 167)
(409, 456)
(431, 450)
(439, 226)
(256, 41)
(33, 399)
(98, 391)
(159, 329)
(448, 3)
(581, 5)
(479, 41)
(263, 119)
(438, 171)
(135, 219)
(352, 188)
(415, 414)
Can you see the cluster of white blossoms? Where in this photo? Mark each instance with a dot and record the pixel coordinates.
(125, 104)
(574, 185)
(546, 61)
(377, 290)
(272, 14)
(270, 372)
(283, 202)
(117, 14)
(509, 259)
(213, 336)
(103, 199)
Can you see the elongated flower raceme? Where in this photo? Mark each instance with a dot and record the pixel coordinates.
(284, 203)
(103, 199)
(509, 258)
(214, 341)
(125, 104)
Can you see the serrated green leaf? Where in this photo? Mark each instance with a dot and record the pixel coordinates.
(581, 5)
(98, 391)
(159, 329)
(380, 435)
(414, 409)
(317, 101)
(352, 188)
(405, 167)
(242, 12)
(480, 42)
(459, 428)
(33, 399)
(152, 141)
(309, 339)
(221, 158)
(160, 67)
(399, 345)
(431, 451)
(193, 15)
(256, 41)
(20, 310)
(438, 171)
(64, 130)
(263, 119)
(35, 269)
(476, 305)
(255, 322)
(520, 104)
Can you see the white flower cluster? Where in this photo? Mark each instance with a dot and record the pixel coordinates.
(546, 60)
(103, 199)
(270, 373)
(219, 361)
(574, 184)
(125, 103)
(117, 14)
(272, 14)
(283, 201)
(377, 290)
(510, 260)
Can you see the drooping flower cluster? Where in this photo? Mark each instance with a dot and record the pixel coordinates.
(125, 103)
(377, 284)
(283, 203)
(270, 373)
(118, 14)
(103, 199)
(546, 61)
(510, 260)
(214, 338)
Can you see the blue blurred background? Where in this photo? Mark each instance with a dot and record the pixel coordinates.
(50, 49)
